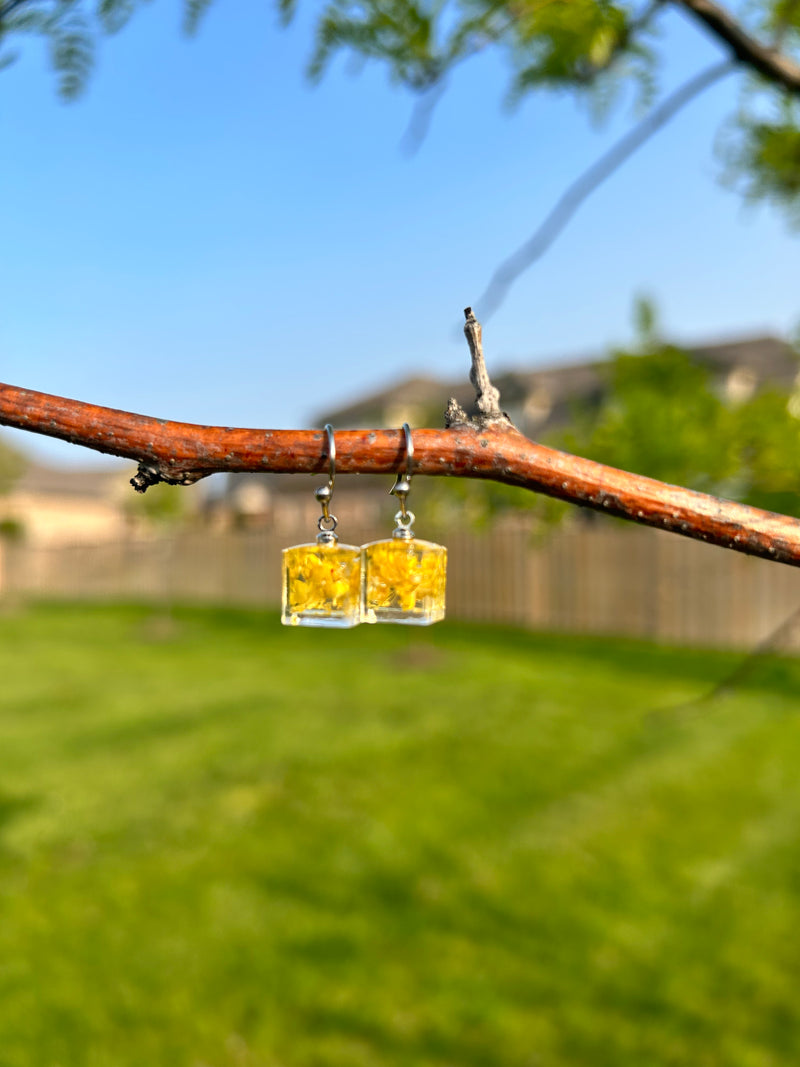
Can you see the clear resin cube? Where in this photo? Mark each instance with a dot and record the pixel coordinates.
(321, 585)
(404, 581)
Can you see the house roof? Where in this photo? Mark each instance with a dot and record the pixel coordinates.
(416, 391)
(771, 361)
(68, 481)
(535, 398)
(774, 361)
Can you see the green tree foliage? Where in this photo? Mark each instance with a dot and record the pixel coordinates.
(767, 439)
(161, 505)
(596, 49)
(763, 156)
(12, 464)
(593, 48)
(662, 417)
(549, 43)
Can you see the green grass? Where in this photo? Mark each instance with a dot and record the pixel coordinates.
(227, 844)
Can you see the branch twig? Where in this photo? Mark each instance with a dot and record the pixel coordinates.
(487, 402)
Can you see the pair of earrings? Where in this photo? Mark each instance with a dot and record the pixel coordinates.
(400, 579)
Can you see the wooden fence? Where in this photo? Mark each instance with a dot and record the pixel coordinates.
(599, 578)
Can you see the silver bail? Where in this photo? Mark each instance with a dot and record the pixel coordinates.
(403, 530)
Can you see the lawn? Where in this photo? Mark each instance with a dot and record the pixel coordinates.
(228, 844)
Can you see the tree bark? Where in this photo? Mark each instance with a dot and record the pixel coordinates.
(770, 63)
(182, 453)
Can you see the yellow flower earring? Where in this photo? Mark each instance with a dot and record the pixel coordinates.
(322, 580)
(403, 577)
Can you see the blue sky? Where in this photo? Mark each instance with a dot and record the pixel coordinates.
(205, 236)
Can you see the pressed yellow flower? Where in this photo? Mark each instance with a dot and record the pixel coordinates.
(321, 578)
(404, 573)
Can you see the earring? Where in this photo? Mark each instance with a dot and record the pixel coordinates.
(322, 580)
(404, 578)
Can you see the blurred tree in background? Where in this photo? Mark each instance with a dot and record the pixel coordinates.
(12, 464)
(662, 415)
(663, 418)
(596, 50)
(592, 48)
(162, 505)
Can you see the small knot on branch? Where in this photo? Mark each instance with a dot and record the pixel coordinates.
(454, 414)
(148, 475)
(144, 478)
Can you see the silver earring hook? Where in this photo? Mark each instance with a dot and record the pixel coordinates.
(327, 522)
(331, 455)
(402, 485)
(409, 450)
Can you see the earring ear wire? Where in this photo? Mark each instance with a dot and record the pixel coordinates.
(402, 484)
(401, 489)
(327, 523)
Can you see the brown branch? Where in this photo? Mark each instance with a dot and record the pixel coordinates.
(179, 452)
(770, 63)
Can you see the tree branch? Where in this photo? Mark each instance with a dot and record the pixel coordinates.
(421, 116)
(591, 179)
(181, 453)
(770, 63)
